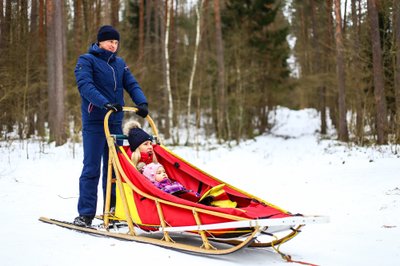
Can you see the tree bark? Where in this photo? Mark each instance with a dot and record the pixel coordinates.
(356, 46)
(149, 4)
(396, 22)
(329, 66)
(167, 67)
(55, 73)
(379, 89)
(343, 132)
(317, 66)
(114, 13)
(106, 17)
(41, 117)
(78, 27)
(196, 48)
(1, 24)
(141, 34)
(221, 72)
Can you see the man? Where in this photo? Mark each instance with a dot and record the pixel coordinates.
(101, 77)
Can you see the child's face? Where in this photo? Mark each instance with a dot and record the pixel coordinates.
(160, 174)
(146, 147)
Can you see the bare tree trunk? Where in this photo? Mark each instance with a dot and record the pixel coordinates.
(106, 17)
(114, 13)
(85, 16)
(379, 90)
(344, 18)
(317, 66)
(6, 28)
(167, 67)
(42, 58)
(51, 58)
(198, 38)
(396, 20)
(221, 72)
(77, 27)
(159, 53)
(2, 24)
(343, 132)
(96, 17)
(55, 73)
(149, 4)
(33, 95)
(157, 29)
(141, 35)
(356, 35)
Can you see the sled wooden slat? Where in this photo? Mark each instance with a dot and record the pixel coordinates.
(153, 241)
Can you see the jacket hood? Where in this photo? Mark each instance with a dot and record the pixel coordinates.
(103, 54)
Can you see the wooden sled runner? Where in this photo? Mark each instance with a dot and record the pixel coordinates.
(147, 214)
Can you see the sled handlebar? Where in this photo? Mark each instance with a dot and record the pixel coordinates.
(131, 109)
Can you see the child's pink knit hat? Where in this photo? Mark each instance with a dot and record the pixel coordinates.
(150, 170)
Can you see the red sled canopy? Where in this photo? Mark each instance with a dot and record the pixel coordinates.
(144, 207)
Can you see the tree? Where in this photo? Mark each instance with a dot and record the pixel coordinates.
(343, 132)
(195, 55)
(356, 22)
(378, 74)
(141, 33)
(55, 70)
(114, 13)
(318, 65)
(167, 65)
(221, 108)
(396, 19)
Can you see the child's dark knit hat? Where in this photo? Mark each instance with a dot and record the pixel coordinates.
(136, 137)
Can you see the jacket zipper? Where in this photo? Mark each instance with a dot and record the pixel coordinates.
(115, 80)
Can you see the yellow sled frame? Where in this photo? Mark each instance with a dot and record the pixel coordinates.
(199, 230)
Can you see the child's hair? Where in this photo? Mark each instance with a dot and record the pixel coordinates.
(140, 167)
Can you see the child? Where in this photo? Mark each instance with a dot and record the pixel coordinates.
(140, 144)
(155, 172)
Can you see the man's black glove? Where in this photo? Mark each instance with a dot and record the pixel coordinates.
(143, 110)
(116, 107)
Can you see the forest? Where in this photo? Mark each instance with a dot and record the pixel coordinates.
(222, 66)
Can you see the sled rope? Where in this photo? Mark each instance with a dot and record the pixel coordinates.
(284, 256)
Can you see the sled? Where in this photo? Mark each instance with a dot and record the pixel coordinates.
(146, 214)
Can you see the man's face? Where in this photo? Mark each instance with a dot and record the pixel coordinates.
(109, 45)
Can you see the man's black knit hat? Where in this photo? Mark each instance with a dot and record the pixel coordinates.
(107, 32)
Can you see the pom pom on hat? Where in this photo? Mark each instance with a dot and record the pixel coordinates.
(107, 32)
(150, 170)
(129, 125)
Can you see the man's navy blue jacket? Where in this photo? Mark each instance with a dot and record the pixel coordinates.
(101, 77)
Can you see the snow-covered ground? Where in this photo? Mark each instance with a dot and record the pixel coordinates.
(358, 188)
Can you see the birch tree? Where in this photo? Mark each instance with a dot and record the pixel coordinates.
(167, 68)
(196, 48)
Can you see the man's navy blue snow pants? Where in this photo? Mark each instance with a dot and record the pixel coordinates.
(94, 149)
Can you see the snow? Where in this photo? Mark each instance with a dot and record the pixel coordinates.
(292, 167)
